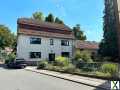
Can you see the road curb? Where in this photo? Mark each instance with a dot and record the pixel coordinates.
(68, 79)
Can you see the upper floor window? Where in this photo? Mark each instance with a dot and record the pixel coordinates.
(51, 42)
(35, 54)
(64, 42)
(35, 40)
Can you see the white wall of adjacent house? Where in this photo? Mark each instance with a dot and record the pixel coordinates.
(24, 47)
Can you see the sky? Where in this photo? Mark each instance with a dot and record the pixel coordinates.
(87, 13)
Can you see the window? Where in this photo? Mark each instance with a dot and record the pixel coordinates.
(35, 40)
(81, 49)
(51, 42)
(35, 54)
(64, 42)
(65, 54)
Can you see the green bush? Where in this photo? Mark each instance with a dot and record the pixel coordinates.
(83, 56)
(10, 58)
(107, 59)
(101, 74)
(61, 61)
(70, 68)
(53, 68)
(42, 64)
(110, 68)
(77, 55)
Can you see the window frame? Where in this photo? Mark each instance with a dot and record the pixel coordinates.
(51, 41)
(33, 57)
(33, 41)
(65, 43)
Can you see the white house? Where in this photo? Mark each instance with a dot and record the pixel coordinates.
(39, 40)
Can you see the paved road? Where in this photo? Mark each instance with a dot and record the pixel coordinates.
(26, 80)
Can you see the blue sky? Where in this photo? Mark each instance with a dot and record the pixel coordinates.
(87, 13)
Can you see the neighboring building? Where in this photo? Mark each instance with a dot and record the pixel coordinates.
(112, 7)
(91, 47)
(39, 40)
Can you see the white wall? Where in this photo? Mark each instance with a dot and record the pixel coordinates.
(24, 47)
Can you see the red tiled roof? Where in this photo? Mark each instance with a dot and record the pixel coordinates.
(45, 34)
(42, 24)
(86, 45)
(45, 29)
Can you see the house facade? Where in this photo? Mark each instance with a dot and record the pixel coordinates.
(42, 40)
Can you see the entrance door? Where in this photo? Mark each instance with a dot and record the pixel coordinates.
(51, 57)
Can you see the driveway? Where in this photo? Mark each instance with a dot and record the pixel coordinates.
(20, 79)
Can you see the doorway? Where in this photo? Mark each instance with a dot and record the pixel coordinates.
(52, 57)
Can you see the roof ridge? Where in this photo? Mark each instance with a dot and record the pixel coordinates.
(56, 25)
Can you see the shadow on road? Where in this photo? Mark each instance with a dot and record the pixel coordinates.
(2, 65)
(104, 85)
(5, 67)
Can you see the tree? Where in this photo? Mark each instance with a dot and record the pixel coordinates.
(38, 16)
(49, 18)
(7, 39)
(79, 35)
(57, 20)
(109, 45)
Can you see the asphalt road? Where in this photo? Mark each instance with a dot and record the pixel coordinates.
(20, 79)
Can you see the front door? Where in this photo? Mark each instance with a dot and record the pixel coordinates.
(51, 57)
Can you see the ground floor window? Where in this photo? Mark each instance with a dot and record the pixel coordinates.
(65, 54)
(35, 54)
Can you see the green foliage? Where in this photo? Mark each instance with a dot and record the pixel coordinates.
(105, 59)
(38, 16)
(42, 64)
(3, 55)
(49, 18)
(83, 56)
(57, 20)
(101, 74)
(54, 68)
(110, 68)
(7, 39)
(70, 68)
(109, 44)
(78, 33)
(61, 61)
(10, 58)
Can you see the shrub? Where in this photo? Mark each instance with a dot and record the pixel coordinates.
(101, 74)
(83, 56)
(77, 55)
(42, 64)
(61, 61)
(110, 68)
(53, 68)
(10, 58)
(70, 68)
(107, 58)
